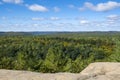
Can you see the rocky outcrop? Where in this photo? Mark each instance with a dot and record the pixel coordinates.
(102, 71)
(95, 71)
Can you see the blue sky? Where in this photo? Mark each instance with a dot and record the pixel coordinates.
(59, 15)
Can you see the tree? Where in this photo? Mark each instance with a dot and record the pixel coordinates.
(19, 62)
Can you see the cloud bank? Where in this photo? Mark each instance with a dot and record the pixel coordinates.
(13, 1)
(37, 8)
(101, 6)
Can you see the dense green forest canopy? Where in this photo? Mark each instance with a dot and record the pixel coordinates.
(57, 52)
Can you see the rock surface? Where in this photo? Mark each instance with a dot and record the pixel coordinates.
(95, 71)
(102, 71)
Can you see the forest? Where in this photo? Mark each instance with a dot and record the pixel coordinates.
(59, 52)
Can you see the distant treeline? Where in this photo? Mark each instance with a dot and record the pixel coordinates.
(92, 33)
(66, 52)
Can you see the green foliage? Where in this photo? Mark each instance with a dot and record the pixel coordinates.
(57, 53)
(115, 57)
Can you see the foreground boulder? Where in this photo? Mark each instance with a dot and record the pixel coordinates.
(102, 71)
(95, 71)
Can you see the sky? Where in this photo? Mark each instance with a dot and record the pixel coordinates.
(59, 15)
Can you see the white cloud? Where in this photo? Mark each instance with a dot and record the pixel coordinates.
(56, 9)
(81, 9)
(37, 19)
(13, 1)
(35, 25)
(46, 19)
(71, 6)
(37, 8)
(54, 18)
(102, 6)
(82, 22)
(113, 17)
(109, 22)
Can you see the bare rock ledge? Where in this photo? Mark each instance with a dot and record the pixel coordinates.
(95, 71)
